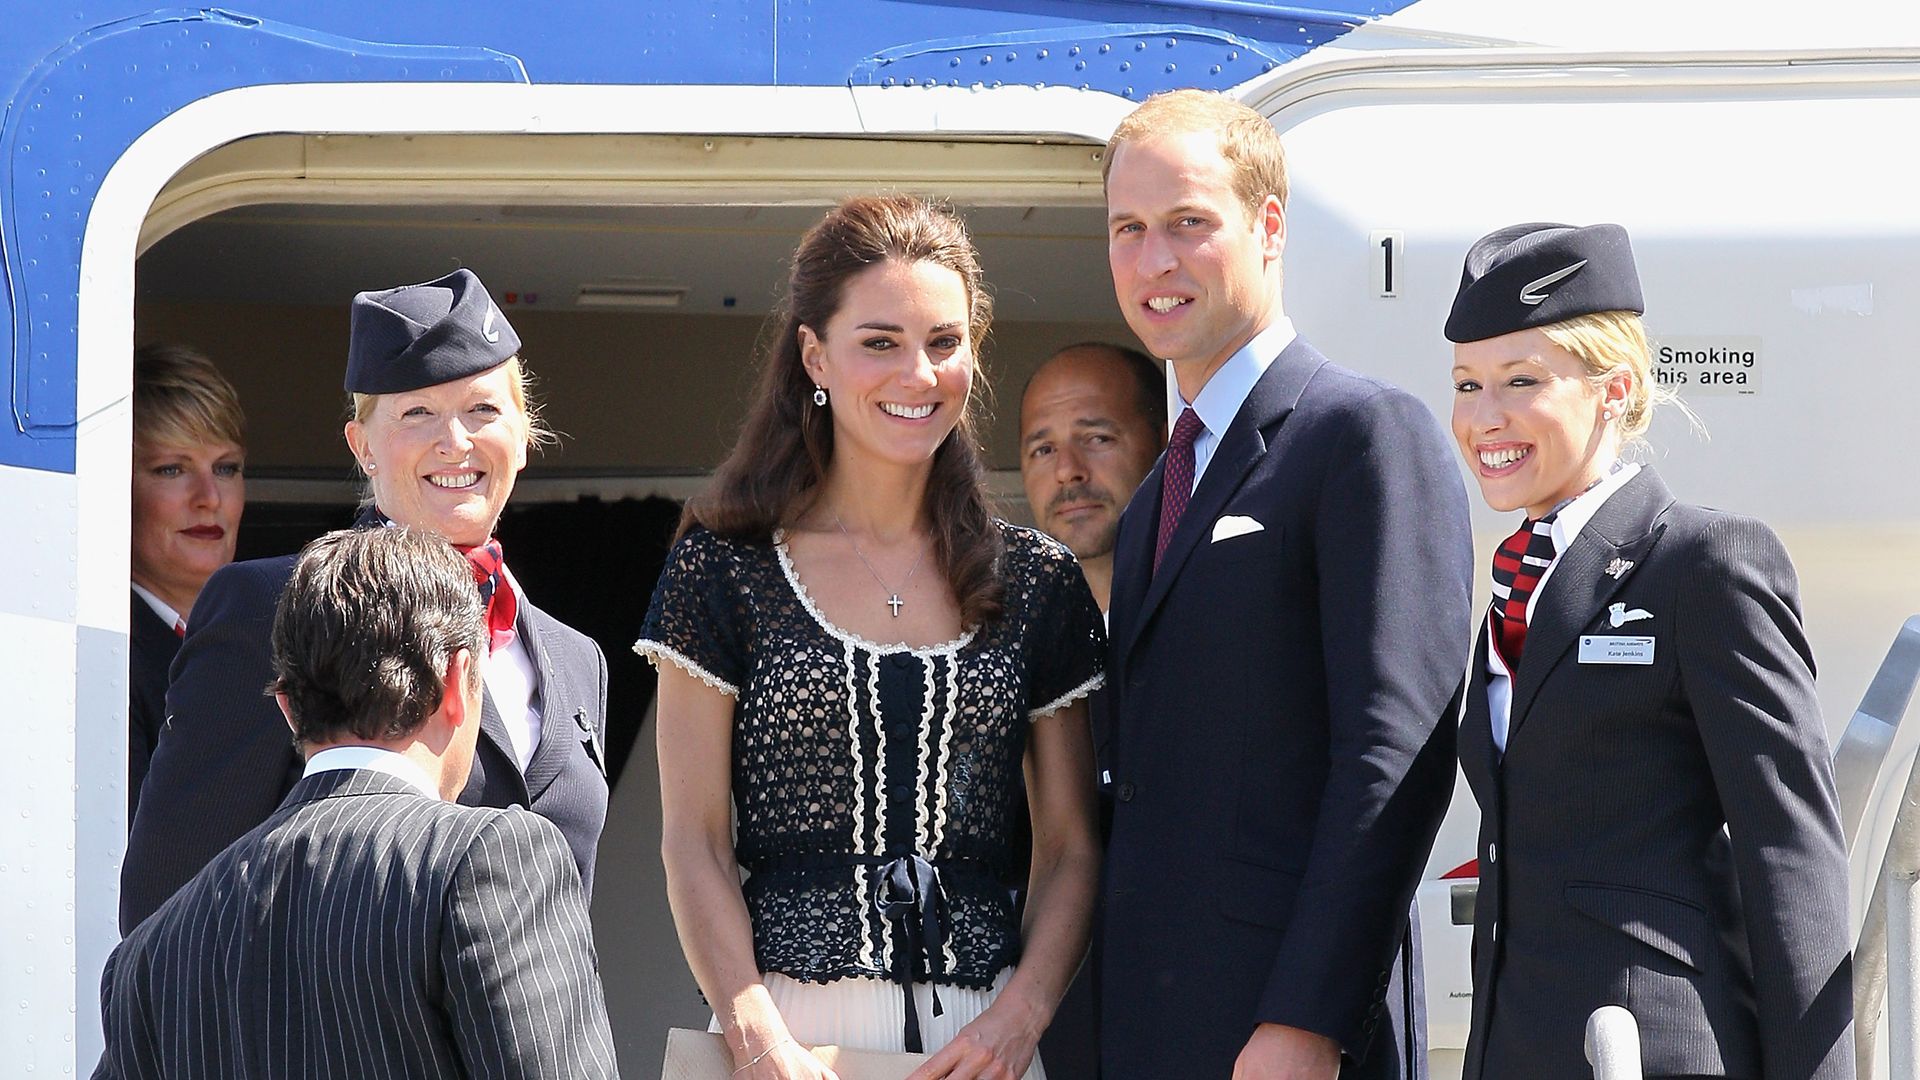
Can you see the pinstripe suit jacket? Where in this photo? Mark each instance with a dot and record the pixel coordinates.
(1662, 836)
(366, 931)
(225, 759)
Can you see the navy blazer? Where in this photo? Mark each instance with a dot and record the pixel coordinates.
(365, 929)
(151, 646)
(1279, 756)
(1607, 875)
(225, 757)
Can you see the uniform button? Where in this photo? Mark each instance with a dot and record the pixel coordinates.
(901, 792)
(1124, 792)
(903, 660)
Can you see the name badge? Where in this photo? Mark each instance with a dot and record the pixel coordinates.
(1616, 650)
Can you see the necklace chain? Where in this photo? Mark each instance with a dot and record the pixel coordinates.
(894, 603)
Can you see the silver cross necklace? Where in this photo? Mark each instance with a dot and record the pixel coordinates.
(893, 595)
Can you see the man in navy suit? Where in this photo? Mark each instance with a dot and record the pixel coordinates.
(1291, 599)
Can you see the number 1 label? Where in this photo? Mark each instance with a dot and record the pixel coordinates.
(1389, 251)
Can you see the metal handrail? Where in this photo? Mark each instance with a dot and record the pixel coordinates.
(1613, 1044)
(1886, 958)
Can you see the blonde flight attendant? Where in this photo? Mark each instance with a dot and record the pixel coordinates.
(1658, 819)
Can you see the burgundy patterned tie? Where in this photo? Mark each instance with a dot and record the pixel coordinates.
(1517, 567)
(1176, 479)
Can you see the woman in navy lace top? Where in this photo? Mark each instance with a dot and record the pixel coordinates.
(861, 663)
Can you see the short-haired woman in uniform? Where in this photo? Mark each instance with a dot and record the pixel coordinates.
(1659, 828)
(858, 660)
(189, 487)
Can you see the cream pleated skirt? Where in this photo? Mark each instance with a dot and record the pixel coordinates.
(865, 1013)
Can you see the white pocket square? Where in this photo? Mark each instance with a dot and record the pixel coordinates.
(1235, 525)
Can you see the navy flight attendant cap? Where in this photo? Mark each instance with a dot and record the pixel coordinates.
(426, 334)
(1542, 273)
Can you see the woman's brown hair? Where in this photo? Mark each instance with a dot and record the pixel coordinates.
(775, 472)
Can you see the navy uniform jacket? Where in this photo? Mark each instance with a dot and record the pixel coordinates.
(1279, 754)
(365, 929)
(226, 758)
(1605, 873)
(151, 646)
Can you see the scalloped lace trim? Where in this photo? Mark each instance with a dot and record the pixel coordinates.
(945, 648)
(1068, 698)
(654, 651)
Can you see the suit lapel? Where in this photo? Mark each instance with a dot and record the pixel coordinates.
(1479, 757)
(1133, 564)
(1244, 444)
(557, 727)
(1580, 587)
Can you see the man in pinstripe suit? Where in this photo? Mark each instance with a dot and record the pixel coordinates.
(371, 927)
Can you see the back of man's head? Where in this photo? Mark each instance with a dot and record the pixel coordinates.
(364, 632)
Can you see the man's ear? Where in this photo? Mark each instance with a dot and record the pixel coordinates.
(1272, 223)
(286, 709)
(454, 693)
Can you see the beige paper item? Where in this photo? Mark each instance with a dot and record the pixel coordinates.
(703, 1055)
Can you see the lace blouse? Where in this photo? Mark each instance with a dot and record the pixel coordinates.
(875, 786)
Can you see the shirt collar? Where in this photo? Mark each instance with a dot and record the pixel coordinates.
(1219, 401)
(1574, 516)
(374, 759)
(167, 615)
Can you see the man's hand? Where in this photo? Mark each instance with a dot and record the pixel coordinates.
(1278, 1052)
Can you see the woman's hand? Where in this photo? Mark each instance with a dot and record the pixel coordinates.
(786, 1060)
(991, 1048)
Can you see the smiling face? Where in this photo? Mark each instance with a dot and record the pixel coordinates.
(444, 457)
(1531, 421)
(1197, 275)
(896, 360)
(1085, 446)
(186, 515)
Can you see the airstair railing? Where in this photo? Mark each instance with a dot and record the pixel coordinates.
(1613, 1044)
(1886, 958)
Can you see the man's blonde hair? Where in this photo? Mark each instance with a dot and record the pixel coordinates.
(1247, 140)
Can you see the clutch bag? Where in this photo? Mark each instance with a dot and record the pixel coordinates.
(703, 1055)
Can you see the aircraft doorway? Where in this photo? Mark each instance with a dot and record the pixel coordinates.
(641, 310)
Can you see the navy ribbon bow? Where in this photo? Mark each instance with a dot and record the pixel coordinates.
(909, 893)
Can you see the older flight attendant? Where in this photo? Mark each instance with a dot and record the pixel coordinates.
(1659, 826)
(189, 455)
(441, 427)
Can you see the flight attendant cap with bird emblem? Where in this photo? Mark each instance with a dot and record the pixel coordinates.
(426, 334)
(1542, 273)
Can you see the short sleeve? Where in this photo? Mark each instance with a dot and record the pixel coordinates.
(698, 618)
(1066, 638)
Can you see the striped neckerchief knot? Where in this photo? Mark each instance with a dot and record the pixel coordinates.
(1176, 479)
(1518, 565)
(496, 591)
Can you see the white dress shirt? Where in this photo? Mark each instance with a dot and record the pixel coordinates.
(160, 607)
(514, 684)
(1220, 399)
(1566, 527)
(376, 759)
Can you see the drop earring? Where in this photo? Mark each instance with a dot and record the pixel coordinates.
(820, 396)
